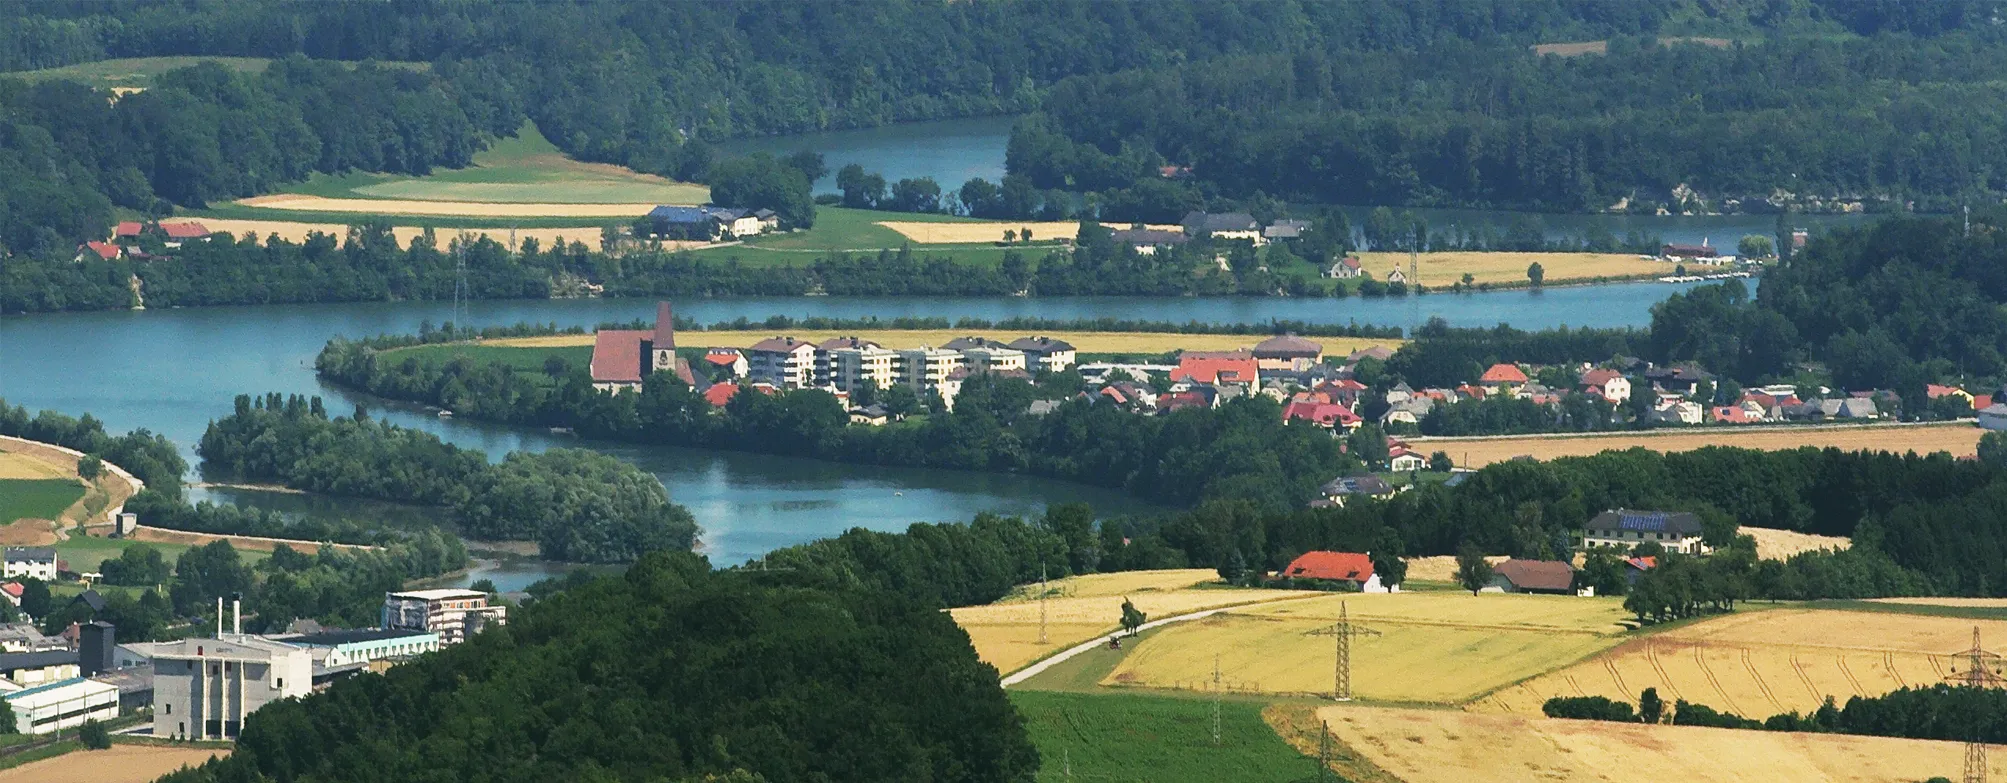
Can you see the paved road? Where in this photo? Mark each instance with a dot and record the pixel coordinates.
(1035, 669)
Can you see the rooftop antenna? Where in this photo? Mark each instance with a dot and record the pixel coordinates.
(1343, 631)
(1982, 670)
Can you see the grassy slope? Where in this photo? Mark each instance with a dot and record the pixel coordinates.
(36, 498)
(140, 71)
(1130, 737)
(525, 169)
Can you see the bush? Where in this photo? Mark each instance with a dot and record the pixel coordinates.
(94, 735)
(1589, 708)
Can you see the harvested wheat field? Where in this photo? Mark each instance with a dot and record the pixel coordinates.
(1442, 648)
(16, 465)
(1129, 583)
(971, 232)
(1441, 746)
(1006, 634)
(1085, 342)
(29, 532)
(1980, 603)
(1782, 544)
(1957, 438)
(1441, 270)
(293, 231)
(118, 764)
(289, 201)
(1441, 568)
(1758, 664)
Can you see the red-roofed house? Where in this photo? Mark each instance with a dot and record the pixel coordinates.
(128, 229)
(1608, 384)
(1216, 367)
(1934, 391)
(178, 233)
(720, 393)
(1734, 414)
(1553, 577)
(727, 359)
(102, 250)
(1177, 401)
(12, 592)
(1350, 567)
(1328, 415)
(1503, 377)
(1981, 402)
(1402, 459)
(1345, 269)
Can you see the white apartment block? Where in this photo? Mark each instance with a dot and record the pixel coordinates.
(994, 358)
(925, 368)
(453, 614)
(38, 562)
(782, 361)
(852, 368)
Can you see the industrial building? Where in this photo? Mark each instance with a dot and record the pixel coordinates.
(452, 614)
(203, 688)
(63, 704)
(334, 649)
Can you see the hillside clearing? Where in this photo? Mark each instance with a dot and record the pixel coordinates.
(1442, 648)
(1441, 270)
(1442, 746)
(1758, 664)
(1958, 438)
(1085, 342)
(526, 169)
(1782, 544)
(1006, 634)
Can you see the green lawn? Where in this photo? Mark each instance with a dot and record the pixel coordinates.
(1132, 737)
(524, 169)
(36, 498)
(524, 359)
(86, 553)
(140, 71)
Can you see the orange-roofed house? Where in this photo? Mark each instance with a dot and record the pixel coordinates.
(720, 393)
(727, 359)
(128, 229)
(1504, 378)
(184, 231)
(1328, 415)
(1349, 568)
(104, 251)
(1934, 391)
(1607, 384)
(1217, 367)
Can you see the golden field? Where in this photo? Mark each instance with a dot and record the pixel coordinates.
(971, 232)
(21, 466)
(1757, 664)
(372, 206)
(1085, 342)
(1006, 634)
(1443, 648)
(1984, 603)
(117, 764)
(1127, 583)
(1445, 746)
(1960, 439)
(1782, 544)
(1440, 568)
(1441, 270)
(294, 231)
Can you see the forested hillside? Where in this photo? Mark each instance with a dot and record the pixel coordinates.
(671, 672)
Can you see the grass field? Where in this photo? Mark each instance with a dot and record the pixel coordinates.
(1006, 634)
(525, 359)
(133, 72)
(1440, 270)
(979, 231)
(1782, 544)
(1443, 648)
(297, 231)
(1119, 583)
(412, 207)
(1154, 739)
(1758, 664)
(1960, 439)
(1446, 746)
(37, 498)
(1085, 342)
(121, 763)
(526, 169)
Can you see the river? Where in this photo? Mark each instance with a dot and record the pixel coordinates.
(953, 151)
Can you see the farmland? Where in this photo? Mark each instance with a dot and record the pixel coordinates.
(1444, 746)
(1441, 270)
(37, 498)
(1443, 648)
(1761, 663)
(121, 763)
(1085, 342)
(1960, 439)
(1133, 737)
(981, 231)
(1782, 544)
(297, 231)
(135, 72)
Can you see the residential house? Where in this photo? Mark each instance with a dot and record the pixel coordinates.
(720, 394)
(1330, 416)
(127, 231)
(1401, 459)
(11, 592)
(38, 562)
(1045, 353)
(1934, 391)
(1228, 225)
(782, 361)
(1681, 380)
(728, 360)
(1504, 379)
(1348, 568)
(1607, 384)
(1688, 252)
(1677, 531)
(1345, 268)
(1338, 490)
(1678, 411)
(1994, 417)
(1408, 411)
(1285, 229)
(103, 251)
(870, 415)
(1195, 397)
(1287, 352)
(1552, 577)
(1378, 352)
(694, 224)
(1217, 367)
(621, 358)
(1146, 241)
(1635, 568)
(1129, 395)
(182, 232)
(1735, 414)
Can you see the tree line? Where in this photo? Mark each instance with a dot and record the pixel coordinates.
(1956, 713)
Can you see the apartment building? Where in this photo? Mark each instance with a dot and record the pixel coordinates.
(825, 356)
(854, 367)
(994, 358)
(782, 361)
(1045, 353)
(926, 368)
(453, 614)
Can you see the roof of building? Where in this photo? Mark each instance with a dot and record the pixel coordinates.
(723, 356)
(184, 230)
(336, 638)
(1380, 352)
(1147, 236)
(1503, 373)
(36, 660)
(1337, 566)
(1537, 574)
(131, 679)
(1934, 391)
(1731, 414)
(1642, 563)
(1358, 485)
(104, 250)
(778, 345)
(1349, 262)
(1223, 221)
(1681, 523)
(15, 589)
(1689, 251)
(1600, 376)
(1040, 345)
(720, 394)
(1323, 414)
(236, 646)
(90, 598)
(616, 355)
(685, 215)
(1286, 229)
(1216, 367)
(55, 686)
(128, 228)
(840, 343)
(966, 343)
(24, 554)
(439, 594)
(1288, 346)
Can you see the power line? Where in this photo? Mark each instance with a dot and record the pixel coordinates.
(1216, 698)
(1982, 670)
(1343, 631)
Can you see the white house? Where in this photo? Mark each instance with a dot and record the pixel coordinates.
(1608, 384)
(38, 562)
(1677, 531)
(1345, 269)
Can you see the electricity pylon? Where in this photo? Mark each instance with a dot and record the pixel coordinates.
(1343, 631)
(1982, 670)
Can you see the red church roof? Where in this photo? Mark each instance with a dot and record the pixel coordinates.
(616, 355)
(1337, 566)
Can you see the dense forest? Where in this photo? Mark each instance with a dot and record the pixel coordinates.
(577, 505)
(752, 667)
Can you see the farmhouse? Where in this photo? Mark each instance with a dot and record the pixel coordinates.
(1145, 241)
(1677, 531)
(103, 251)
(1339, 568)
(1285, 229)
(1337, 490)
(622, 357)
(1287, 352)
(1345, 268)
(1533, 576)
(38, 562)
(1226, 225)
(1688, 251)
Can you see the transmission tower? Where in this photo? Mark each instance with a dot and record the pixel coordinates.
(1343, 631)
(1324, 752)
(1982, 670)
(1216, 698)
